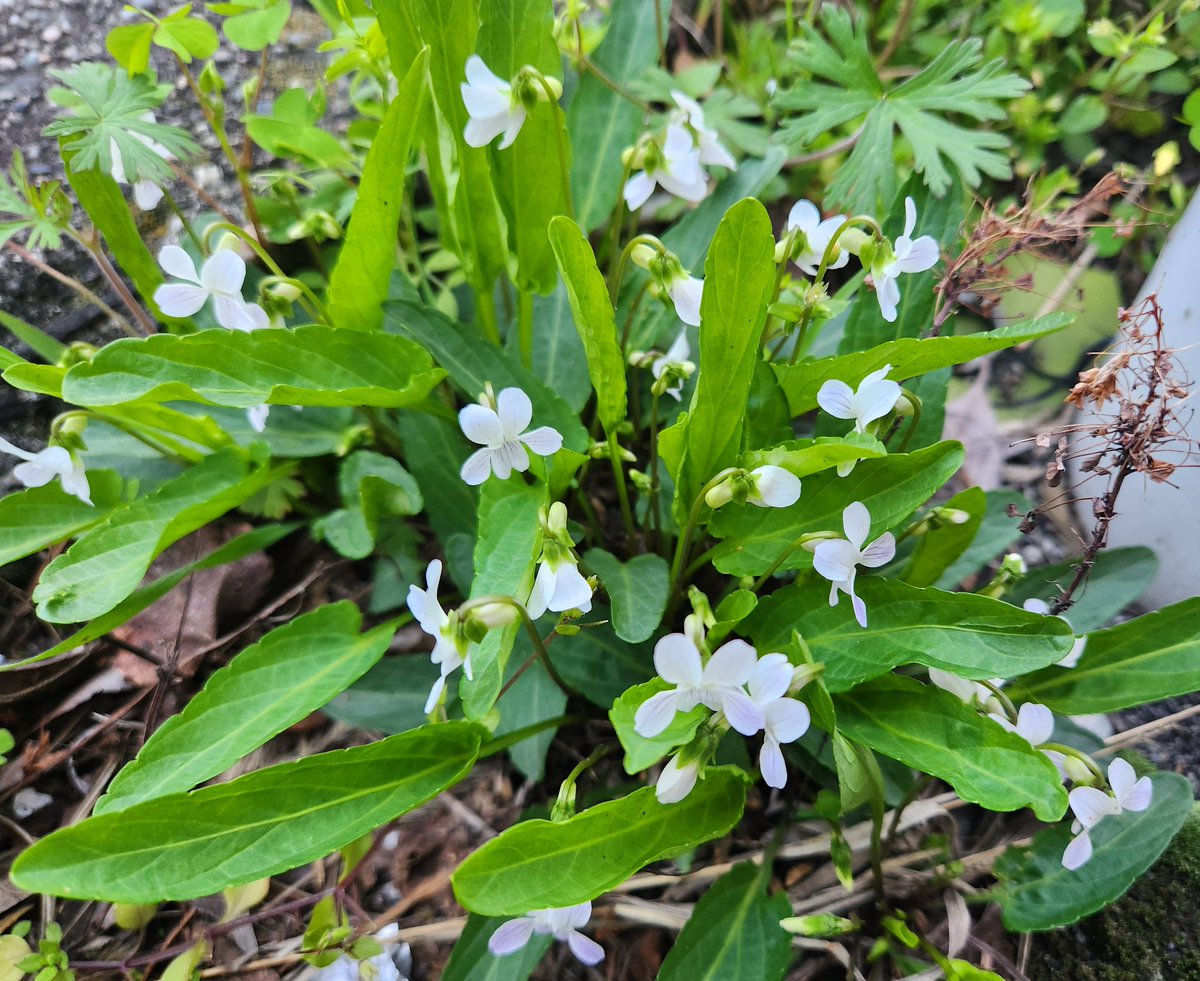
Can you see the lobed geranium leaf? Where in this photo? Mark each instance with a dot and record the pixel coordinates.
(1037, 893)
(934, 732)
(312, 365)
(195, 844)
(1142, 660)
(545, 864)
(733, 933)
(288, 674)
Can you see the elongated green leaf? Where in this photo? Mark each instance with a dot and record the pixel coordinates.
(532, 177)
(49, 348)
(533, 698)
(602, 122)
(641, 752)
(559, 359)
(471, 363)
(306, 366)
(908, 357)
(890, 487)
(637, 589)
(107, 563)
(198, 843)
(359, 283)
(389, 698)
(1116, 580)
(599, 665)
(1143, 660)
(933, 731)
(36, 517)
(939, 547)
(127, 609)
(272, 684)
(968, 635)
(435, 450)
(470, 960)
(739, 274)
(504, 564)
(543, 864)
(733, 933)
(594, 319)
(1037, 893)
(803, 457)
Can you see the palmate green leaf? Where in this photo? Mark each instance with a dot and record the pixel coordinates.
(373, 487)
(637, 590)
(186, 37)
(543, 864)
(602, 123)
(938, 548)
(1037, 893)
(253, 24)
(733, 933)
(641, 752)
(470, 960)
(1116, 580)
(908, 357)
(273, 684)
(594, 319)
(40, 209)
(358, 285)
(969, 635)
(106, 108)
(195, 844)
(739, 274)
(36, 517)
(953, 83)
(1152, 657)
(108, 562)
(891, 488)
(934, 732)
(308, 366)
(238, 548)
(504, 565)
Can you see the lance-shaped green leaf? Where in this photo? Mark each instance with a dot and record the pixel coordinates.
(107, 563)
(939, 547)
(637, 590)
(471, 363)
(36, 517)
(594, 319)
(238, 548)
(307, 366)
(733, 933)
(934, 732)
(359, 283)
(997, 532)
(602, 122)
(532, 177)
(545, 864)
(1117, 578)
(1037, 893)
(195, 844)
(803, 457)
(1141, 660)
(891, 488)
(272, 684)
(963, 633)
(641, 752)
(435, 451)
(470, 960)
(504, 564)
(739, 274)
(908, 357)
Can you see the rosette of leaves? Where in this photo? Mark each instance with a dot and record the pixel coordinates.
(920, 107)
(108, 108)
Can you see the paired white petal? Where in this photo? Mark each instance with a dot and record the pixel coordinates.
(562, 924)
(712, 151)
(771, 678)
(559, 589)
(675, 782)
(490, 106)
(1132, 794)
(45, 465)
(856, 520)
(511, 936)
(774, 487)
(874, 398)
(1078, 851)
(1035, 723)
(686, 293)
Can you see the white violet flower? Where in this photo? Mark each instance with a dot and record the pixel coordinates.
(905, 256)
(1035, 723)
(678, 353)
(969, 692)
(256, 415)
(676, 781)
(434, 621)
(220, 279)
(717, 685)
(559, 585)
(773, 487)
(712, 151)
(1091, 805)
(874, 398)
(837, 559)
(686, 292)
(492, 106)
(805, 217)
(562, 924)
(146, 194)
(675, 166)
(43, 466)
(785, 719)
(1035, 605)
(500, 432)
(381, 967)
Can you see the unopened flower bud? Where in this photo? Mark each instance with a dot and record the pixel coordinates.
(1077, 771)
(284, 291)
(643, 254)
(802, 674)
(228, 241)
(810, 541)
(853, 240)
(493, 615)
(955, 516)
(556, 520)
(555, 87)
(819, 925)
(905, 404)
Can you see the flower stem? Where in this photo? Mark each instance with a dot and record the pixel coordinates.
(485, 307)
(560, 126)
(655, 516)
(614, 453)
(309, 300)
(1009, 708)
(539, 646)
(1083, 758)
(679, 563)
(525, 326)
